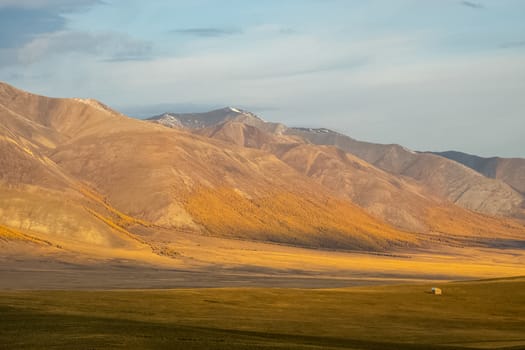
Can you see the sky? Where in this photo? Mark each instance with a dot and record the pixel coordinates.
(427, 74)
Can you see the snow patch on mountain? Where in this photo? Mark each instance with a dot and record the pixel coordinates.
(233, 109)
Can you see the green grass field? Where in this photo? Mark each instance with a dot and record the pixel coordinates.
(484, 314)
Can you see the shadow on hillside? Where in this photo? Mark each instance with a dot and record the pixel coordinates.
(502, 243)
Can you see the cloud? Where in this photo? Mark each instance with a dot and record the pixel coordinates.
(287, 31)
(376, 77)
(33, 30)
(512, 44)
(19, 26)
(22, 21)
(112, 46)
(473, 5)
(427, 96)
(351, 62)
(207, 32)
(56, 5)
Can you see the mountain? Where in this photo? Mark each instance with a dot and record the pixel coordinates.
(443, 177)
(509, 170)
(400, 201)
(75, 172)
(40, 202)
(495, 187)
(77, 177)
(378, 192)
(202, 120)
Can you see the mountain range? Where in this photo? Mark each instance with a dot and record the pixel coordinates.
(77, 176)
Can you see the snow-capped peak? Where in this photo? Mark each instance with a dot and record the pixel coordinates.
(408, 150)
(235, 110)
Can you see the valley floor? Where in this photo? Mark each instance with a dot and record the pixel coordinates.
(203, 261)
(482, 314)
(218, 293)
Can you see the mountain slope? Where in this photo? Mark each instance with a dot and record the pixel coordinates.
(173, 178)
(400, 201)
(509, 170)
(39, 200)
(111, 175)
(440, 177)
(84, 177)
(202, 120)
(443, 177)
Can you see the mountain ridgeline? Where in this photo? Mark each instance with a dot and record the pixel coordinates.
(509, 170)
(76, 175)
(494, 190)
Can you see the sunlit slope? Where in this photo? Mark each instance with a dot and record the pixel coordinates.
(441, 177)
(399, 200)
(97, 168)
(402, 202)
(293, 219)
(243, 133)
(176, 179)
(38, 199)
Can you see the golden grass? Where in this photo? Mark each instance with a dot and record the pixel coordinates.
(122, 219)
(466, 223)
(290, 218)
(12, 234)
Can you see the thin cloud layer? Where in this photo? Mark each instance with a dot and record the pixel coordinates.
(102, 45)
(57, 5)
(471, 4)
(207, 32)
(34, 31)
(19, 26)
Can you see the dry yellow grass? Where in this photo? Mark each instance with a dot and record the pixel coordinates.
(289, 218)
(449, 220)
(12, 234)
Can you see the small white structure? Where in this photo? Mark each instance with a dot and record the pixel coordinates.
(436, 291)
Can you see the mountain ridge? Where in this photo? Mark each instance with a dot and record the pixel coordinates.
(88, 179)
(509, 170)
(446, 178)
(153, 175)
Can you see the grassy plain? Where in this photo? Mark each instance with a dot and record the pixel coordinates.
(480, 314)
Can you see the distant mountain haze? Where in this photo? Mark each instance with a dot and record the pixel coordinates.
(509, 170)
